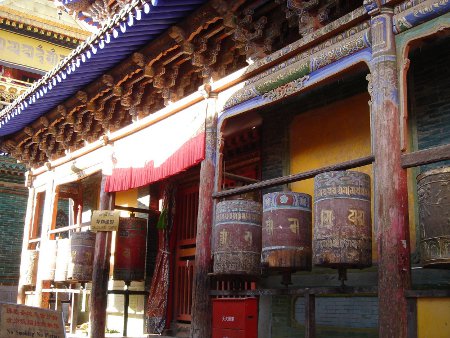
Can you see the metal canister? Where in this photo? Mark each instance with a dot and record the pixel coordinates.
(286, 233)
(129, 256)
(48, 256)
(62, 259)
(30, 258)
(82, 256)
(237, 237)
(342, 220)
(433, 189)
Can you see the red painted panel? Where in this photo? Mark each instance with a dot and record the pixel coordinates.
(228, 333)
(236, 314)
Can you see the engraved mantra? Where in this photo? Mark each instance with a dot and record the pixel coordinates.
(356, 217)
(294, 226)
(238, 216)
(338, 243)
(346, 190)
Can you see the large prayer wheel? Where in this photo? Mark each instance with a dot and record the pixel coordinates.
(433, 189)
(237, 238)
(342, 220)
(30, 258)
(48, 257)
(62, 259)
(129, 257)
(286, 233)
(82, 248)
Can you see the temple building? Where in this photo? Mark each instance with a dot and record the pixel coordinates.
(241, 169)
(34, 37)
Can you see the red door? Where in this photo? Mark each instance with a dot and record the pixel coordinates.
(186, 232)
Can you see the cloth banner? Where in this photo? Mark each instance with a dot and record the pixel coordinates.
(159, 151)
(159, 289)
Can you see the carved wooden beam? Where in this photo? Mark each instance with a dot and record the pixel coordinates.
(129, 67)
(8, 146)
(100, 87)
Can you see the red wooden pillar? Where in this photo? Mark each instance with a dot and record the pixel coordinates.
(391, 203)
(100, 273)
(201, 302)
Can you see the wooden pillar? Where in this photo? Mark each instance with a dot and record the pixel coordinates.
(390, 181)
(310, 315)
(100, 274)
(26, 238)
(201, 302)
(50, 204)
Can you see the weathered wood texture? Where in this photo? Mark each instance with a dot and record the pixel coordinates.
(201, 302)
(426, 156)
(100, 274)
(295, 177)
(391, 200)
(412, 318)
(310, 315)
(48, 218)
(26, 237)
(346, 290)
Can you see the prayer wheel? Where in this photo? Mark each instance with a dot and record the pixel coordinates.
(342, 220)
(62, 259)
(82, 248)
(237, 238)
(48, 256)
(129, 257)
(286, 233)
(433, 189)
(30, 258)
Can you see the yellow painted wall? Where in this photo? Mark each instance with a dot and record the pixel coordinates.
(128, 198)
(433, 317)
(30, 53)
(328, 135)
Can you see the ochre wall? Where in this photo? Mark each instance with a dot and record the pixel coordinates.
(433, 317)
(328, 135)
(128, 198)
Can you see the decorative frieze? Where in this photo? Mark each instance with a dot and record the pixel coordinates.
(297, 67)
(420, 13)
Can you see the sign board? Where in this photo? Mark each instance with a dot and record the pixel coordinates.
(29, 52)
(19, 321)
(105, 220)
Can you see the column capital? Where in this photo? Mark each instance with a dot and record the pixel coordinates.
(207, 92)
(372, 7)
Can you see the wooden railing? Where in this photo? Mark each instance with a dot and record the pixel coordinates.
(10, 89)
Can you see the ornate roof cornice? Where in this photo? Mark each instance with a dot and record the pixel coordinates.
(32, 21)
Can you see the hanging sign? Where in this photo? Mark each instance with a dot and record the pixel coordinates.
(19, 321)
(105, 220)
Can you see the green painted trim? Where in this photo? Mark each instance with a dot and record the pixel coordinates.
(284, 78)
(433, 26)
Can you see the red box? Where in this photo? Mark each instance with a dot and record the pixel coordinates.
(235, 318)
(229, 333)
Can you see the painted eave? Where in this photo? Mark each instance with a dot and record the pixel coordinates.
(129, 30)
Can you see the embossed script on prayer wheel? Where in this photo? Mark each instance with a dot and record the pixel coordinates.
(30, 258)
(342, 220)
(62, 259)
(433, 189)
(48, 256)
(237, 238)
(286, 233)
(129, 257)
(82, 256)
